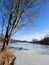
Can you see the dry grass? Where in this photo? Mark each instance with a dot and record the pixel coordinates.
(6, 57)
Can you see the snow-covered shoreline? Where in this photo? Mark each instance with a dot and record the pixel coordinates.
(28, 57)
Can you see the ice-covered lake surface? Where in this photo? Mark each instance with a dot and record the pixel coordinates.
(42, 49)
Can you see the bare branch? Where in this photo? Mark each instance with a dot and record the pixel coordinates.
(15, 11)
(20, 27)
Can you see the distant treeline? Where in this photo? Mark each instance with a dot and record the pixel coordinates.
(14, 41)
(44, 41)
(11, 40)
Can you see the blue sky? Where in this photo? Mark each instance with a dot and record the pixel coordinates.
(39, 29)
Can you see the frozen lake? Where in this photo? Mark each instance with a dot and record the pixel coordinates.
(42, 49)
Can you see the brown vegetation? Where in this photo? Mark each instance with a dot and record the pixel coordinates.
(6, 57)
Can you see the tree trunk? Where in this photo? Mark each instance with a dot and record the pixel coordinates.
(6, 40)
(6, 43)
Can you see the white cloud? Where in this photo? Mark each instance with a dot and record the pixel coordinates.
(31, 37)
(46, 31)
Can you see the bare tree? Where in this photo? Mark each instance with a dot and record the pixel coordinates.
(17, 14)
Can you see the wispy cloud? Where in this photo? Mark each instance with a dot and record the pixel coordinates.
(47, 31)
(30, 37)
